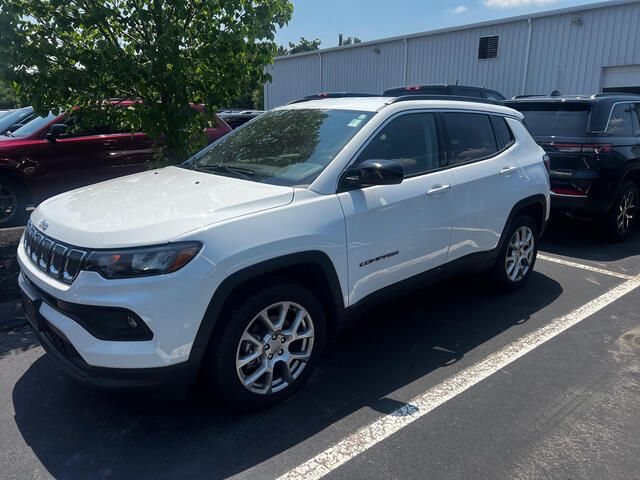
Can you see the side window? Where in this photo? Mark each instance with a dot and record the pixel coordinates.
(412, 140)
(470, 137)
(621, 123)
(77, 126)
(635, 116)
(504, 135)
(493, 96)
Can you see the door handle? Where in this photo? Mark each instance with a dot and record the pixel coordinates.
(108, 143)
(436, 189)
(506, 171)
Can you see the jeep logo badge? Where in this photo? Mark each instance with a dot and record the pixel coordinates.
(43, 224)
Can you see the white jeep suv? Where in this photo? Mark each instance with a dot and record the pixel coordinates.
(238, 264)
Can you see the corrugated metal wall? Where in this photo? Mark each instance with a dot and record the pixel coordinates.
(565, 53)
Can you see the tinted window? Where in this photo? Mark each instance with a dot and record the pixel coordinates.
(504, 135)
(412, 140)
(493, 96)
(636, 120)
(470, 136)
(282, 147)
(621, 121)
(555, 119)
(467, 92)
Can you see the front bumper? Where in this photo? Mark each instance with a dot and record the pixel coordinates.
(171, 306)
(67, 358)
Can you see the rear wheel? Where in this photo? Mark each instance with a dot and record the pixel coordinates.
(518, 254)
(12, 203)
(268, 348)
(622, 216)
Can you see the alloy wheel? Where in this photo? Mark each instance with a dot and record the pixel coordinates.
(520, 254)
(626, 211)
(275, 348)
(8, 203)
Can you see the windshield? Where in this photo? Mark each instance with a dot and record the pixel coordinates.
(283, 147)
(33, 126)
(14, 117)
(555, 119)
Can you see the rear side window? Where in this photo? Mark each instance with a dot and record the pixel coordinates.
(621, 120)
(411, 140)
(470, 137)
(555, 119)
(493, 96)
(504, 135)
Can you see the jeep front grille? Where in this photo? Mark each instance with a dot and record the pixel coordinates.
(57, 260)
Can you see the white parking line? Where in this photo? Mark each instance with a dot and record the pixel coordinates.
(372, 434)
(568, 263)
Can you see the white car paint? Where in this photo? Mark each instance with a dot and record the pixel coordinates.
(241, 223)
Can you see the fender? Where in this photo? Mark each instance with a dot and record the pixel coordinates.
(262, 269)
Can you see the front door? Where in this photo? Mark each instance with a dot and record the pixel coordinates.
(395, 232)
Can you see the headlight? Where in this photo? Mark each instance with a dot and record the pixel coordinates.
(138, 262)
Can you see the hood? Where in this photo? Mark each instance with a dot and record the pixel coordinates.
(152, 207)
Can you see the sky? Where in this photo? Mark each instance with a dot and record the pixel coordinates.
(376, 19)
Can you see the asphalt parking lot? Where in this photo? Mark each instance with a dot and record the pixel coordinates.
(455, 381)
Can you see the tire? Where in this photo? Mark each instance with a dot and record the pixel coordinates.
(272, 348)
(621, 219)
(513, 274)
(13, 206)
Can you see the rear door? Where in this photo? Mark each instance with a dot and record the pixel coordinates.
(486, 178)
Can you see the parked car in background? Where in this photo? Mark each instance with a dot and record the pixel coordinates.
(14, 120)
(58, 152)
(236, 119)
(458, 90)
(593, 143)
(247, 258)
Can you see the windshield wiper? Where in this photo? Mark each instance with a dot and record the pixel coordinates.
(240, 172)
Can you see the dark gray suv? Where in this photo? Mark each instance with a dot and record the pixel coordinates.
(594, 147)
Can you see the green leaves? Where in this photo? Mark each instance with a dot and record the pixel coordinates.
(166, 53)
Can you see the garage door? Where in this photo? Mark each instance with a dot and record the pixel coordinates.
(621, 79)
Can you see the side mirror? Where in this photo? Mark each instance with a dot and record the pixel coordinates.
(55, 131)
(373, 172)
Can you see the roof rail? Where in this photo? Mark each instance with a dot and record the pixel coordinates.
(517, 97)
(455, 98)
(608, 94)
(323, 95)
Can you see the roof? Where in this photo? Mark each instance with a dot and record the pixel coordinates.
(519, 18)
(375, 104)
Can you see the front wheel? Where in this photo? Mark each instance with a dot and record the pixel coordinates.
(13, 208)
(268, 348)
(518, 254)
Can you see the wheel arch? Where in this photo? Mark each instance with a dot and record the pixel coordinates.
(535, 206)
(312, 269)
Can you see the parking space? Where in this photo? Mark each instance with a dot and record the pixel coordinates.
(572, 391)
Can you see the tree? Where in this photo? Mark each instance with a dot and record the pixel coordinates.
(303, 45)
(351, 41)
(165, 53)
(8, 97)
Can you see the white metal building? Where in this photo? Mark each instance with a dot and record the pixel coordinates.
(579, 50)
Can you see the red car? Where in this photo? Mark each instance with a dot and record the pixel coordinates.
(46, 157)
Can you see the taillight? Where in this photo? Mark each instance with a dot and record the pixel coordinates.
(573, 192)
(413, 88)
(547, 162)
(595, 148)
